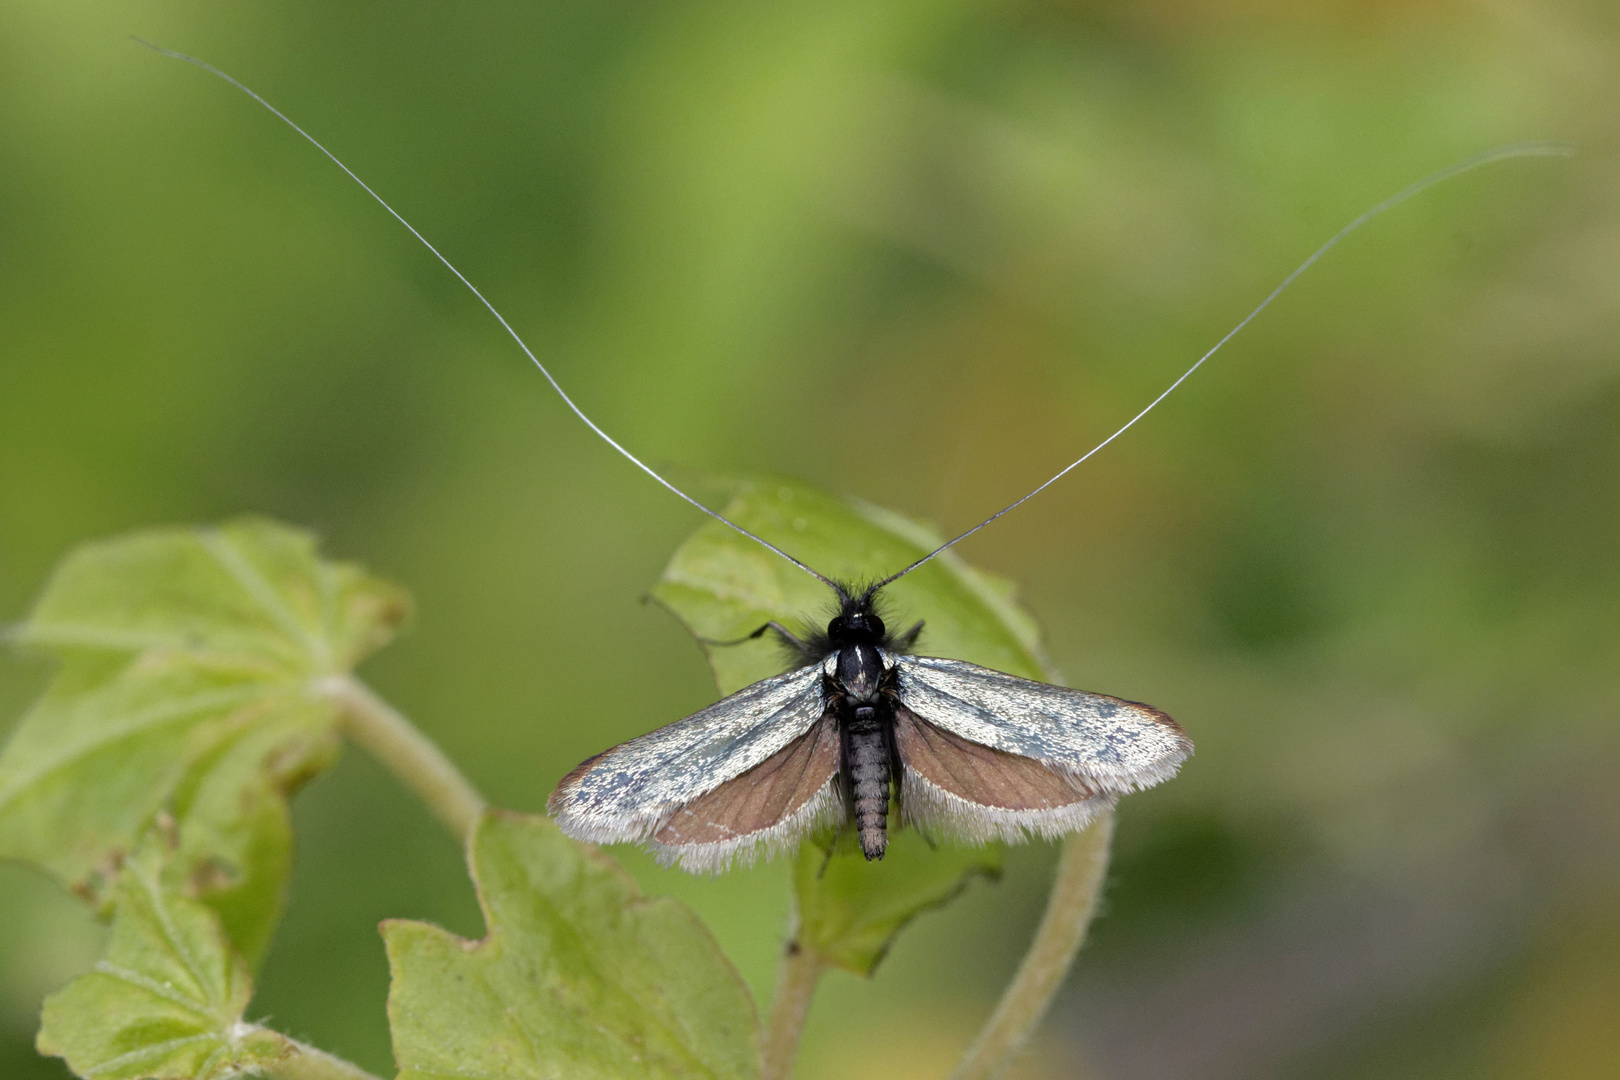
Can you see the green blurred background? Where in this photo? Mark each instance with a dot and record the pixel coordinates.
(921, 252)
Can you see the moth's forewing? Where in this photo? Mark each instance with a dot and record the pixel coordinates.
(986, 755)
(773, 805)
(1111, 745)
(628, 793)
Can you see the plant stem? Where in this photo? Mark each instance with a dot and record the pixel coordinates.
(1069, 909)
(308, 1063)
(796, 977)
(411, 756)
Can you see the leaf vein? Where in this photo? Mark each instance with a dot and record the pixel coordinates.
(154, 893)
(261, 591)
(168, 993)
(132, 723)
(206, 1069)
(146, 1053)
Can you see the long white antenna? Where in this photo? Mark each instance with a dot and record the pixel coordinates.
(637, 462)
(1515, 150)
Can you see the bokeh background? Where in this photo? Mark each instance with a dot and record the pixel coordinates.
(921, 252)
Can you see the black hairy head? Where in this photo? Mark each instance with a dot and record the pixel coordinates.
(858, 619)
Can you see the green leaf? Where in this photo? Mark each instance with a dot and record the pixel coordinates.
(579, 976)
(850, 910)
(723, 585)
(167, 1001)
(189, 677)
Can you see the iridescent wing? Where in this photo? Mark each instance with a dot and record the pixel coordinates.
(986, 755)
(755, 768)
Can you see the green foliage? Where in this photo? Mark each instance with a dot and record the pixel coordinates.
(200, 680)
(850, 910)
(579, 976)
(188, 685)
(723, 585)
(166, 1002)
(881, 244)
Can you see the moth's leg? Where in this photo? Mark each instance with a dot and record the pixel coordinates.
(734, 641)
(783, 632)
(906, 640)
(789, 638)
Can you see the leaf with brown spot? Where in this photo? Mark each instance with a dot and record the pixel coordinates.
(186, 685)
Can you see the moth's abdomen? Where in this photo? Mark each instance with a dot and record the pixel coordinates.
(866, 757)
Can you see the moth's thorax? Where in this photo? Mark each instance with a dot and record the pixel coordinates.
(858, 671)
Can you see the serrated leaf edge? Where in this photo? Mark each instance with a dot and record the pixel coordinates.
(493, 936)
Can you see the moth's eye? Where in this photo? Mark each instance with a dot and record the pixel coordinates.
(875, 624)
(837, 626)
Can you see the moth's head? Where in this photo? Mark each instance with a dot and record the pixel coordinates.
(857, 620)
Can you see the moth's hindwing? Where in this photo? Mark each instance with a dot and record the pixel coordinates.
(773, 806)
(685, 787)
(956, 789)
(987, 755)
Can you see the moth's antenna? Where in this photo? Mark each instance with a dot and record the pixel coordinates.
(637, 462)
(1514, 150)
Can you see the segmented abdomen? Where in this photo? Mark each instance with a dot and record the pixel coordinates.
(866, 754)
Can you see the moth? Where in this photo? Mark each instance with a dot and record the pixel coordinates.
(859, 720)
(969, 753)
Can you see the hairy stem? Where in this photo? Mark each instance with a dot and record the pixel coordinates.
(411, 756)
(796, 977)
(308, 1063)
(1063, 928)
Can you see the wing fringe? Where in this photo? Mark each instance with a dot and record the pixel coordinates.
(942, 815)
(824, 810)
